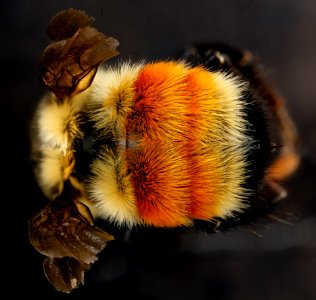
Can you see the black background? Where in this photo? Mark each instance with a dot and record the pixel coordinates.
(270, 261)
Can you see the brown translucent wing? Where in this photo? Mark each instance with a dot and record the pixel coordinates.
(65, 273)
(66, 23)
(68, 240)
(68, 65)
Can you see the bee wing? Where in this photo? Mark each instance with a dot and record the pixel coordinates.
(69, 64)
(66, 22)
(68, 240)
(65, 274)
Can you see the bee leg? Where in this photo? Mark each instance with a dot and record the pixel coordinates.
(217, 224)
(275, 191)
(217, 56)
(289, 157)
(211, 58)
(84, 212)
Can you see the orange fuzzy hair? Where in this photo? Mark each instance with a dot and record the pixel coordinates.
(181, 145)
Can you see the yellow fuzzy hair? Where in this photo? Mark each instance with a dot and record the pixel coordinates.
(111, 97)
(49, 172)
(56, 126)
(112, 190)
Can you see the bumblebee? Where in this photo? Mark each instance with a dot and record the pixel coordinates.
(198, 140)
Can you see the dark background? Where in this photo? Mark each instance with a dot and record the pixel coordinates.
(272, 260)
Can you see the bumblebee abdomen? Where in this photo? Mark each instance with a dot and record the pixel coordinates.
(181, 142)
